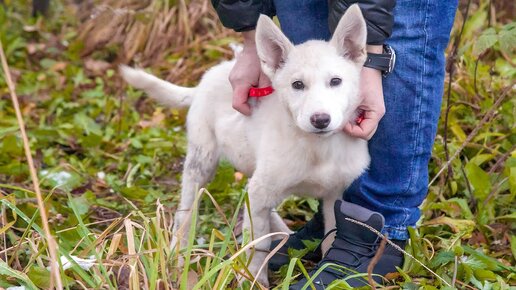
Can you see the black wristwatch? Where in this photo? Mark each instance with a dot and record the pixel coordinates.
(382, 61)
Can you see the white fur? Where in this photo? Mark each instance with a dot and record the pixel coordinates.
(278, 147)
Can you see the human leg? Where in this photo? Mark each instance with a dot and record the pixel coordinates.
(396, 182)
(388, 195)
(303, 20)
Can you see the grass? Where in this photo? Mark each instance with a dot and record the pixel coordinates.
(109, 160)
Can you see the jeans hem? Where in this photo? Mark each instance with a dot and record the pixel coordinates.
(396, 233)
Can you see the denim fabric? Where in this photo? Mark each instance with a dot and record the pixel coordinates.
(302, 20)
(396, 183)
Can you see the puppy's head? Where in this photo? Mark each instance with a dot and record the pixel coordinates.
(318, 81)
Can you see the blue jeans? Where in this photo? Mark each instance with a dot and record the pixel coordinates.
(396, 183)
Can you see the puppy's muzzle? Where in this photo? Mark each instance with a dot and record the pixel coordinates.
(320, 120)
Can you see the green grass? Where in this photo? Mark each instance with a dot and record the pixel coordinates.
(109, 161)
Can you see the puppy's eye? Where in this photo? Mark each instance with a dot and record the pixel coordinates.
(335, 82)
(298, 85)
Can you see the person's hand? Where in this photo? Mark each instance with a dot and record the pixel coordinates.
(246, 73)
(372, 107)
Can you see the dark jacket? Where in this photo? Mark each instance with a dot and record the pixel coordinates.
(242, 15)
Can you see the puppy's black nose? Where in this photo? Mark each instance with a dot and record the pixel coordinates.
(320, 120)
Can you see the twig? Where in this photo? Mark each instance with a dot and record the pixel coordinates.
(52, 246)
(495, 190)
(451, 69)
(495, 167)
(466, 285)
(501, 160)
(487, 117)
(397, 248)
(469, 104)
(374, 261)
(473, 200)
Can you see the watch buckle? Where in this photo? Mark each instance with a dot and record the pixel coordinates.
(392, 61)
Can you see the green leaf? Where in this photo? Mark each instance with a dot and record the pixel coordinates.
(462, 226)
(490, 263)
(134, 192)
(310, 246)
(454, 207)
(482, 274)
(442, 258)
(507, 38)
(474, 263)
(512, 180)
(410, 286)
(87, 124)
(10, 145)
(62, 179)
(40, 276)
(458, 132)
(81, 204)
(513, 245)
(468, 272)
(338, 285)
(480, 159)
(511, 216)
(479, 179)
(20, 276)
(297, 253)
(313, 204)
(486, 40)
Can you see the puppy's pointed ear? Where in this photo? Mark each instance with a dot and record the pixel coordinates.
(350, 36)
(271, 44)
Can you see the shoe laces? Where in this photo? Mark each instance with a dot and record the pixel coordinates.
(339, 245)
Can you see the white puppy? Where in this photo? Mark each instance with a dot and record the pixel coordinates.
(293, 143)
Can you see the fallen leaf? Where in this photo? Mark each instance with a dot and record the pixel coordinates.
(59, 66)
(155, 121)
(392, 276)
(193, 278)
(456, 225)
(97, 67)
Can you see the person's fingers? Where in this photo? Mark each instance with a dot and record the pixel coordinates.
(240, 96)
(365, 130)
(348, 128)
(263, 81)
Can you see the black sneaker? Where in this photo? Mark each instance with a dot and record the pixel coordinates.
(312, 231)
(353, 248)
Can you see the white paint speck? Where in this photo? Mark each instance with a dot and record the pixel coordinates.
(85, 264)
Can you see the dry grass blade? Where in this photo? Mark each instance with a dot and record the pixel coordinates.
(133, 260)
(52, 246)
(272, 253)
(147, 31)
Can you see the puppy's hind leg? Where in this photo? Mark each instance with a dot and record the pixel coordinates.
(200, 165)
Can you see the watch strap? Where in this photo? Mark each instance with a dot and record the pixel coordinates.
(384, 62)
(379, 61)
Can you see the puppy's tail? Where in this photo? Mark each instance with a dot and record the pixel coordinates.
(164, 92)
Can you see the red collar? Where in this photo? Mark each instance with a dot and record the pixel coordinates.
(260, 92)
